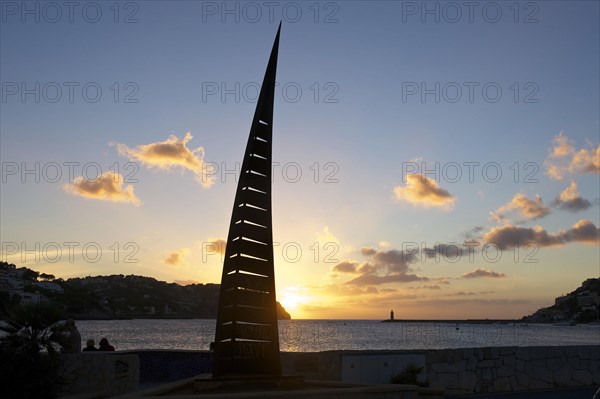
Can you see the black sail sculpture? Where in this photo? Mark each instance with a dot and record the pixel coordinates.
(247, 339)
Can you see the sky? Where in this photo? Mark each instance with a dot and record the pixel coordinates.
(440, 159)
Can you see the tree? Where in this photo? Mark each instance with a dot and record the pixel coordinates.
(47, 277)
(7, 266)
(31, 275)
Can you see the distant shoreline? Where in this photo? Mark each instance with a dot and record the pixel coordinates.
(449, 321)
(465, 321)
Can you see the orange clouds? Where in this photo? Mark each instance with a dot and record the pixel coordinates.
(512, 236)
(526, 207)
(422, 191)
(586, 160)
(570, 199)
(564, 159)
(109, 186)
(170, 153)
(561, 147)
(345, 267)
(583, 231)
(478, 273)
(216, 246)
(383, 267)
(176, 258)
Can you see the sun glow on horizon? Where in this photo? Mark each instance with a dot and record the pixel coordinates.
(293, 298)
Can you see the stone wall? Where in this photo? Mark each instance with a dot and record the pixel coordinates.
(161, 366)
(505, 369)
(460, 371)
(100, 374)
(469, 370)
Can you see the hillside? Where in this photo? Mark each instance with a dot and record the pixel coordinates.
(581, 305)
(109, 297)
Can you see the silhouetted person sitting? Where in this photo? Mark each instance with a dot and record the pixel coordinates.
(90, 346)
(105, 346)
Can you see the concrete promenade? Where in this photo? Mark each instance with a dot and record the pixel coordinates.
(558, 393)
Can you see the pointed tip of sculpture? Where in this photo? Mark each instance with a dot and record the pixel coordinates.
(276, 42)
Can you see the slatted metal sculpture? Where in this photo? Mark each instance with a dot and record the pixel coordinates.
(247, 339)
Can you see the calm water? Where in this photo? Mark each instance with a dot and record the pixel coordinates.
(320, 335)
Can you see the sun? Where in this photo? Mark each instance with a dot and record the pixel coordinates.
(292, 298)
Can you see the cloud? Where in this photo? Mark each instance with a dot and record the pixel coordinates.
(570, 199)
(564, 159)
(586, 161)
(171, 153)
(448, 251)
(422, 191)
(582, 231)
(382, 267)
(345, 267)
(478, 273)
(340, 290)
(431, 286)
(109, 186)
(473, 233)
(526, 207)
(393, 259)
(215, 245)
(373, 279)
(176, 258)
(368, 251)
(512, 236)
(326, 236)
(469, 293)
(561, 146)
(173, 259)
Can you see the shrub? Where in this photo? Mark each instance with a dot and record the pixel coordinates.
(29, 352)
(408, 376)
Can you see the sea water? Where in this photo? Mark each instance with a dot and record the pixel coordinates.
(322, 335)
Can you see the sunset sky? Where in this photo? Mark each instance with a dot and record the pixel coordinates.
(432, 158)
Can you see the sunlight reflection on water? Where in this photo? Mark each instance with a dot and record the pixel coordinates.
(321, 335)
